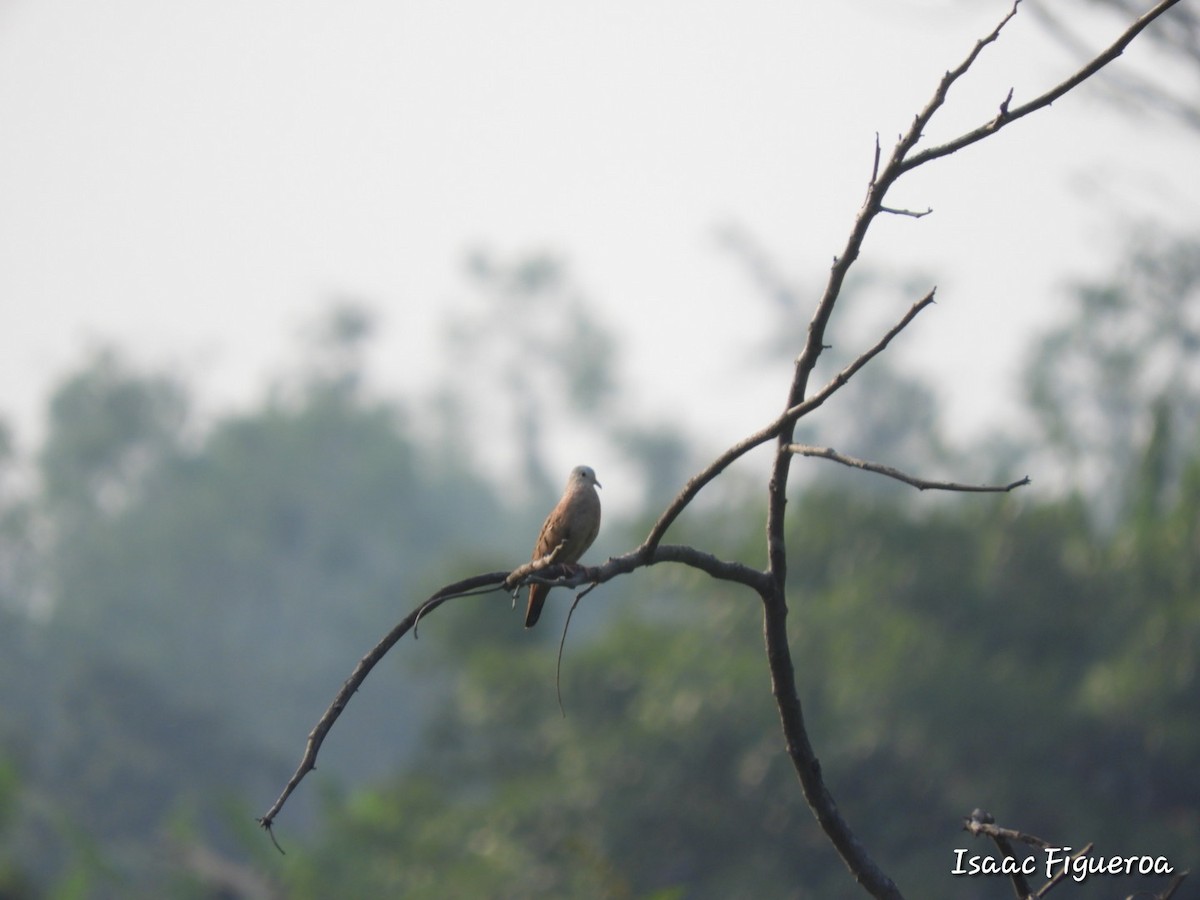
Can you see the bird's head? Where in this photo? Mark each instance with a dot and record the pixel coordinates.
(584, 475)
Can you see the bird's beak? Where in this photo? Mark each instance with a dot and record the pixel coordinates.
(599, 485)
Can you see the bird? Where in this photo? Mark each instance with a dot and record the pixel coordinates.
(574, 523)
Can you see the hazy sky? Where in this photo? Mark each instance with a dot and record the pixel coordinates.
(194, 180)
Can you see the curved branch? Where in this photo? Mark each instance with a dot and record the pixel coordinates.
(722, 570)
(771, 584)
(775, 608)
(921, 484)
(539, 570)
(808, 768)
(316, 737)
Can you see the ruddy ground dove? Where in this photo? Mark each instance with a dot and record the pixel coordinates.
(574, 523)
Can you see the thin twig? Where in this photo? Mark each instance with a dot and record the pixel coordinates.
(911, 213)
(770, 585)
(572, 576)
(874, 166)
(1140, 88)
(316, 737)
(981, 822)
(1007, 116)
(838, 381)
(562, 642)
(789, 416)
(920, 484)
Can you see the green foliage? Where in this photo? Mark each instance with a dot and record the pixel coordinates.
(947, 660)
(110, 428)
(210, 595)
(1123, 365)
(212, 588)
(280, 546)
(667, 753)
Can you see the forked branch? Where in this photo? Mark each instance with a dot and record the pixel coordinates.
(775, 607)
(539, 570)
(770, 585)
(772, 431)
(1008, 115)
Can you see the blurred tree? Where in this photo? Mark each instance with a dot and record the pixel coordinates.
(118, 753)
(18, 555)
(531, 329)
(279, 545)
(952, 653)
(662, 756)
(1123, 367)
(21, 674)
(110, 431)
(209, 591)
(1151, 678)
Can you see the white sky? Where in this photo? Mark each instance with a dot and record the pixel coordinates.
(193, 180)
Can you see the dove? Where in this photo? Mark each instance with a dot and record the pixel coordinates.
(574, 523)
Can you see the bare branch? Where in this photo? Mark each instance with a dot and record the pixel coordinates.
(771, 584)
(881, 182)
(576, 576)
(912, 213)
(316, 737)
(943, 89)
(1007, 116)
(782, 670)
(554, 574)
(920, 484)
(722, 570)
(982, 822)
(1132, 86)
(783, 678)
(562, 642)
(841, 378)
(697, 482)
(874, 165)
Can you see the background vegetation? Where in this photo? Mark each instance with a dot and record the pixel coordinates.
(181, 598)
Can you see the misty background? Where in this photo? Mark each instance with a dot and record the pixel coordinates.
(309, 310)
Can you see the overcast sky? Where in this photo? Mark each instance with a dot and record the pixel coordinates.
(193, 180)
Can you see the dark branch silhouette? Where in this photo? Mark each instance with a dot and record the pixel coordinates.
(1007, 116)
(536, 570)
(770, 585)
(920, 484)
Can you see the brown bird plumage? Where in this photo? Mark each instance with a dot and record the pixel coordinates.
(574, 523)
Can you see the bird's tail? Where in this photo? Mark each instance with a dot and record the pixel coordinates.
(537, 599)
